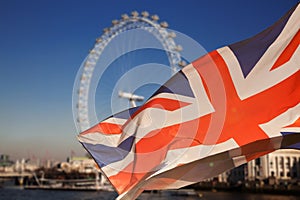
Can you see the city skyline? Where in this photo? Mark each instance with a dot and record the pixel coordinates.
(44, 43)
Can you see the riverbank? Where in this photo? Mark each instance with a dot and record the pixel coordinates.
(20, 194)
(290, 189)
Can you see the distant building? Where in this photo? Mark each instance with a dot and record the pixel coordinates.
(237, 174)
(5, 163)
(25, 165)
(281, 164)
(80, 164)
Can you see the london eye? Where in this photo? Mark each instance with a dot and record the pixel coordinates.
(95, 64)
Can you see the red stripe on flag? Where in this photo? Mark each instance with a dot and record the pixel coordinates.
(259, 148)
(288, 52)
(178, 136)
(126, 179)
(295, 124)
(159, 103)
(162, 103)
(143, 165)
(257, 155)
(104, 128)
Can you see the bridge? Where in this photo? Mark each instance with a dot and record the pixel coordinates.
(15, 174)
(19, 177)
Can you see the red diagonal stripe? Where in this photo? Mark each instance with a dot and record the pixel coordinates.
(295, 124)
(288, 52)
(104, 128)
(166, 104)
(162, 103)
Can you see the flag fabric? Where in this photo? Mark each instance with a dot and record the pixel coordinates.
(230, 106)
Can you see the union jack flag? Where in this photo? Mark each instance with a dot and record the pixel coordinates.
(230, 106)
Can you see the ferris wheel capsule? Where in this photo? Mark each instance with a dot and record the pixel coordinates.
(155, 17)
(125, 17)
(98, 40)
(178, 48)
(182, 63)
(106, 30)
(115, 22)
(134, 13)
(145, 14)
(172, 35)
(164, 24)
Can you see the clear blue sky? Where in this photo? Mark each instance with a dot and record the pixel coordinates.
(43, 43)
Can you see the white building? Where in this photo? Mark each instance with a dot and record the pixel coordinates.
(80, 164)
(282, 164)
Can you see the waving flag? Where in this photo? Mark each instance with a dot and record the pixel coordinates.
(230, 106)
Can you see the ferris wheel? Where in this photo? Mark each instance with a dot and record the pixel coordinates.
(82, 99)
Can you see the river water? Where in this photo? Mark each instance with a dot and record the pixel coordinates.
(15, 193)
